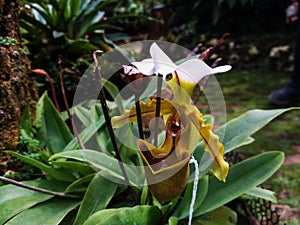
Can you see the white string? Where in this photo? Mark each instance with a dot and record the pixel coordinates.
(193, 160)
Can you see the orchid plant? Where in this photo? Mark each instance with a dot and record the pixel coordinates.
(160, 177)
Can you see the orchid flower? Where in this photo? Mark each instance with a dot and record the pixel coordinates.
(189, 72)
(167, 167)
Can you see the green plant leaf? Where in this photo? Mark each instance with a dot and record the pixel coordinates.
(25, 122)
(42, 14)
(83, 114)
(82, 168)
(97, 197)
(14, 199)
(51, 212)
(86, 134)
(78, 185)
(58, 174)
(173, 220)
(108, 165)
(258, 192)
(242, 177)
(142, 214)
(114, 93)
(232, 3)
(75, 6)
(183, 210)
(222, 215)
(238, 130)
(53, 125)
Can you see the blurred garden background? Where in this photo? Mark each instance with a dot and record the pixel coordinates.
(59, 36)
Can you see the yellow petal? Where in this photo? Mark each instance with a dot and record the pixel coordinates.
(167, 168)
(212, 145)
(148, 110)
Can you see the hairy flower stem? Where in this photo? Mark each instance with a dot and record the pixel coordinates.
(157, 110)
(76, 134)
(105, 109)
(41, 72)
(34, 188)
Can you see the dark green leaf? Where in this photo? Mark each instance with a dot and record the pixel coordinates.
(54, 126)
(51, 212)
(58, 174)
(14, 199)
(75, 6)
(238, 130)
(141, 215)
(109, 166)
(242, 177)
(98, 195)
(183, 210)
(86, 134)
(258, 192)
(80, 185)
(222, 215)
(232, 3)
(25, 122)
(78, 167)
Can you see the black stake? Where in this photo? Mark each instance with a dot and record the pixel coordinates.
(109, 125)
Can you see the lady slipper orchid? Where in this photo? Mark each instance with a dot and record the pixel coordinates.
(167, 166)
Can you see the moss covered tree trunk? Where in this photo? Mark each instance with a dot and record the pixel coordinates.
(16, 87)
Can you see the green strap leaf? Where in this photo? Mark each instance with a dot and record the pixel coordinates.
(222, 215)
(97, 197)
(51, 212)
(140, 215)
(25, 122)
(258, 192)
(80, 185)
(237, 131)
(14, 199)
(183, 210)
(109, 167)
(53, 126)
(242, 177)
(58, 174)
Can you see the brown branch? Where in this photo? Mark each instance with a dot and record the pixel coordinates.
(41, 190)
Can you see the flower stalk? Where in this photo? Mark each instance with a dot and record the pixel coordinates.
(76, 134)
(139, 116)
(105, 109)
(157, 110)
(42, 72)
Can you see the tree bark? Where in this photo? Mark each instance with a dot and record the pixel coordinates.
(16, 87)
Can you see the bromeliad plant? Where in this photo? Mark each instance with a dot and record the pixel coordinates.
(111, 186)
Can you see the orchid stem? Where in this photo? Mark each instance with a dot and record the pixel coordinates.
(53, 92)
(157, 110)
(34, 188)
(76, 134)
(109, 125)
(139, 116)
